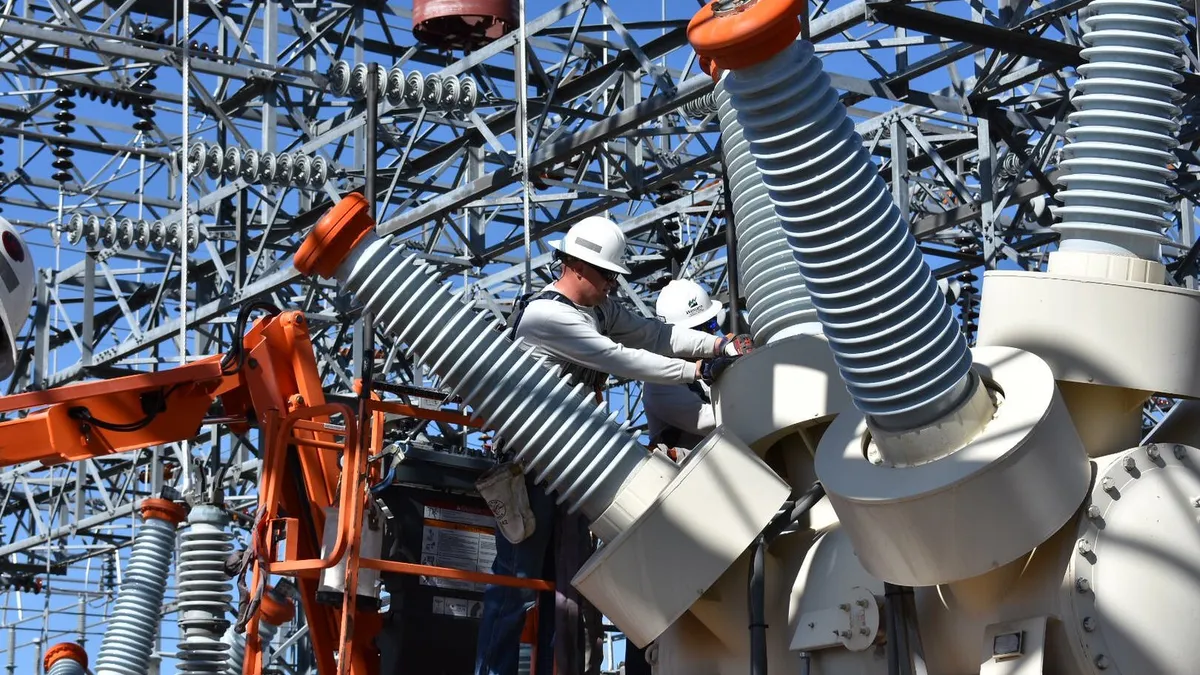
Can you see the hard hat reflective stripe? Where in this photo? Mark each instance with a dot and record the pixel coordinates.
(591, 246)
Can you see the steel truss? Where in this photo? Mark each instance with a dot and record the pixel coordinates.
(963, 104)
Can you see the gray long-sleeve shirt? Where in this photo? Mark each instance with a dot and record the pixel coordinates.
(675, 405)
(624, 345)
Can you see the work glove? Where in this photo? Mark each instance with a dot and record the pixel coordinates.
(711, 369)
(503, 488)
(735, 345)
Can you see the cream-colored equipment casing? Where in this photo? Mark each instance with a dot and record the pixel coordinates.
(651, 573)
(1001, 494)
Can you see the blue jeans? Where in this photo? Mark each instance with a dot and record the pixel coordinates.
(498, 649)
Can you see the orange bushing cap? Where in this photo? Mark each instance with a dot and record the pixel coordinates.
(163, 509)
(64, 650)
(274, 610)
(750, 34)
(334, 237)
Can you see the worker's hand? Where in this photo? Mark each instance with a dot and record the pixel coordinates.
(711, 369)
(735, 345)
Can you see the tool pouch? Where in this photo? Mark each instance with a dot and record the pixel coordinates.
(503, 488)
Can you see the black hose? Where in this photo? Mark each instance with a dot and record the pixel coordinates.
(757, 584)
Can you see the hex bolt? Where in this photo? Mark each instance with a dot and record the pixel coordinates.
(1102, 662)
(1108, 484)
(1152, 452)
(1196, 502)
(845, 607)
(845, 634)
(863, 603)
(1093, 511)
(1083, 585)
(1130, 464)
(1089, 623)
(1084, 547)
(864, 631)
(1180, 452)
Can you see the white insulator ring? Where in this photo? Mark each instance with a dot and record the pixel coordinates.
(91, 233)
(285, 163)
(108, 232)
(126, 232)
(302, 173)
(339, 78)
(215, 162)
(143, 234)
(432, 96)
(320, 172)
(468, 97)
(394, 91)
(197, 156)
(233, 163)
(75, 228)
(267, 168)
(450, 93)
(158, 235)
(358, 81)
(414, 88)
(250, 166)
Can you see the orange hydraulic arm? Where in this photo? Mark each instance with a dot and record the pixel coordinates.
(270, 376)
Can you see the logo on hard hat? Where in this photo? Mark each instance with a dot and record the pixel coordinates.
(694, 306)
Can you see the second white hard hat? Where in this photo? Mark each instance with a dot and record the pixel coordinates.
(685, 302)
(597, 241)
(17, 284)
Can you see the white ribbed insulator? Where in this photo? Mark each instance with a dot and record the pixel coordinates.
(701, 107)
(900, 352)
(205, 592)
(130, 635)
(414, 88)
(68, 667)
(65, 658)
(339, 78)
(393, 93)
(1124, 131)
(777, 301)
(563, 438)
(237, 646)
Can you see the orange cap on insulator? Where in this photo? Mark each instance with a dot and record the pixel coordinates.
(64, 650)
(335, 236)
(163, 509)
(275, 610)
(742, 33)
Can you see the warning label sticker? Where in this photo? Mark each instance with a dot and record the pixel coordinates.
(457, 607)
(460, 538)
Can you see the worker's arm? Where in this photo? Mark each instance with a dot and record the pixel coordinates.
(639, 332)
(566, 333)
(679, 407)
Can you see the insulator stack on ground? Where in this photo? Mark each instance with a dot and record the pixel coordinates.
(65, 658)
(437, 92)
(268, 168)
(62, 154)
(205, 592)
(129, 640)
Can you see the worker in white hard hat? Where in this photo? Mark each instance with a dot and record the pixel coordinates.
(576, 325)
(17, 283)
(679, 416)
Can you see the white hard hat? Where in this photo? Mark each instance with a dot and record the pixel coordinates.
(595, 240)
(686, 303)
(17, 283)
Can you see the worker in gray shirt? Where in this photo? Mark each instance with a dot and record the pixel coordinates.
(679, 416)
(575, 324)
